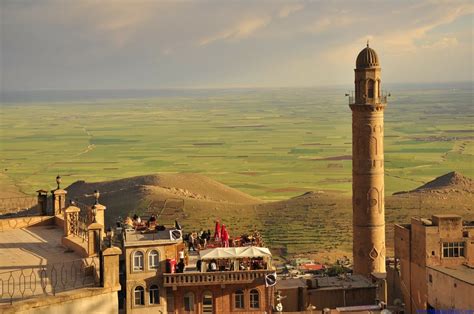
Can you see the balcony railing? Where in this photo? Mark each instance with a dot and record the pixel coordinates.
(378, 100)
(212, 278)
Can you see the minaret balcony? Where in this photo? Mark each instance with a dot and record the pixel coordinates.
(382, 100)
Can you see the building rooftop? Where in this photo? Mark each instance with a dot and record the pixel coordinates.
(460, 272)
(31, 247)
(134, 238)
(290, 283)
(343, 282)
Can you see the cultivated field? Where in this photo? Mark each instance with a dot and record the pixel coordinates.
(271, 144)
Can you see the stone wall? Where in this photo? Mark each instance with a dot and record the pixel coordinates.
(24, 222)
(446, 292)
(88, 300)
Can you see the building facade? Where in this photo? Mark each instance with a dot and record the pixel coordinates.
(367, 105)
(435, 258)
(143, 266)
(151, 282)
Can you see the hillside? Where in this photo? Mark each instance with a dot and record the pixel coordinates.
(448, 183)
(316, 222)
(168, 195)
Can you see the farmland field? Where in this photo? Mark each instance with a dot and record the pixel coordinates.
(270, 143)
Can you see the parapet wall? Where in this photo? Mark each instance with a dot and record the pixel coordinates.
(87, 300)
(24, 222)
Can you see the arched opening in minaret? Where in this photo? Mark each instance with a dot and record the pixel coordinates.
(379, 89)
(370, 88)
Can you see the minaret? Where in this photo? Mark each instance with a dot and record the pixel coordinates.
(368, 207)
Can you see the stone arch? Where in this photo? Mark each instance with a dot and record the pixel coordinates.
(373, 146)
(371, 86)
(379, 88)
(362, 91)
(373, 199)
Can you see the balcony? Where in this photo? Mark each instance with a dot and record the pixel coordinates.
(378, 100)
(214, 278)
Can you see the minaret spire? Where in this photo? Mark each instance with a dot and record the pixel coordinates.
(368, 202)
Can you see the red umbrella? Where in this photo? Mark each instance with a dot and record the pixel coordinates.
(225, 236)
(217, 232)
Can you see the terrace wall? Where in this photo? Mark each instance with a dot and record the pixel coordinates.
(88, 300)
(24, 222)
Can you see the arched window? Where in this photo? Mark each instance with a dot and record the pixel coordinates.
(239, 299)
(189, 302)
(154, 295)
(139, 295)
(370, 89)
(207, 303)
(153, 259)
(138, 260)
(254, 299)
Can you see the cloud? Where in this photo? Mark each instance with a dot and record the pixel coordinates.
(329, 22)
(287, 10)
(445, 42)
(242, 30)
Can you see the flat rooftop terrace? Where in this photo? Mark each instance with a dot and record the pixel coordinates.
(347, 282)
(32, 247)
(460, 272)
(33, 262)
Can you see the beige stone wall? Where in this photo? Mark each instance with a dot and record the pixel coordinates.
(445, 292)
(147, 277)
(90, 300)
(24, 222)
(402, 255)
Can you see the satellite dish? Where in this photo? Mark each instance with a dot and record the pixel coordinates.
(176, 234)
(270, 280)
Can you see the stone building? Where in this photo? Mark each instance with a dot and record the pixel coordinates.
(320, 292)
(151, 281)
(143, 266)
(53, 260)
(367, 105)
(229, 290)
(435, 258)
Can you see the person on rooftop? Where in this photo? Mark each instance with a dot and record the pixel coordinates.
(213, 265)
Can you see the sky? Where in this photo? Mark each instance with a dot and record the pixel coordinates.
(134, 44)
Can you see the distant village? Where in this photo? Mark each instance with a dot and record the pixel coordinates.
(58, 255)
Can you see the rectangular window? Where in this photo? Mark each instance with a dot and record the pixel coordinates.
(239, 300)
(453, 249)
(138, 262)
(189, 302)
(154, 295)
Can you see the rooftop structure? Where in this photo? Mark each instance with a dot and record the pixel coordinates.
(54, 260)
(435, 259)
(165, 271)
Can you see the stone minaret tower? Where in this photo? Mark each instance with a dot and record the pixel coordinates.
(368, 220)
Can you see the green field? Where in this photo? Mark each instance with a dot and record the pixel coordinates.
(272, 143)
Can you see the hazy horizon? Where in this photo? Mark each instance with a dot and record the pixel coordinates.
(91, 95)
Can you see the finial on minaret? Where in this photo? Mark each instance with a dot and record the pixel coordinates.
(367, 43)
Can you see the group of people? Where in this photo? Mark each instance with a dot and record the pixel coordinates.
(138, 224)
(228, 265)
(198, 240)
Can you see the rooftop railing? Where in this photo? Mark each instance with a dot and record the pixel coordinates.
(50, 279)
(212, 278)
(377, 100)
